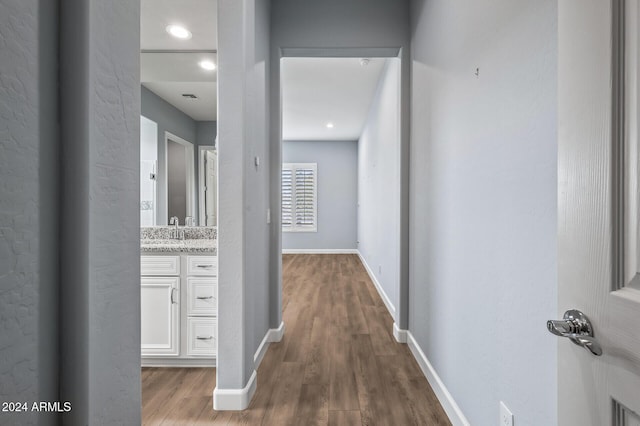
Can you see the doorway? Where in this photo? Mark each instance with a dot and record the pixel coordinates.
(341, 151)
(180, 177)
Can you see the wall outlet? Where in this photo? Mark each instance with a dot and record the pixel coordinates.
(506, 416)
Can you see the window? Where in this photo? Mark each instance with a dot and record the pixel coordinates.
(299, 197)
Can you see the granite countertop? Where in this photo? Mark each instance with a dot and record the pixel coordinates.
(200, 245)
(156, 239)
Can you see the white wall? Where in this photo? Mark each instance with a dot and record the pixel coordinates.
(379, 184)
(337, 194)
(483, 202)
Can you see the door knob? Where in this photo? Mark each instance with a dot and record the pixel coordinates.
(576, 327)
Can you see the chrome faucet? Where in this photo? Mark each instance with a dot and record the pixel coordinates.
(175, 234)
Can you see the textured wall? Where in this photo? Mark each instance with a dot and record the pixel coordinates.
(28, 207)
(337, 193)
(100, 287)
(379, 184)
(483, 202)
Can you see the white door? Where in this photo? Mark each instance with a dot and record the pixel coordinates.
(160, 315)
(598, 210)
(210, 187)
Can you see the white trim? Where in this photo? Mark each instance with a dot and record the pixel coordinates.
(235, 399)
(319, 251)
(272, 335)
(182, 362)
(383, 295)
(293, 167)
(455, 414)
(399, 334)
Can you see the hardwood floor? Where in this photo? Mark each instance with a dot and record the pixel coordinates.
(338, 363)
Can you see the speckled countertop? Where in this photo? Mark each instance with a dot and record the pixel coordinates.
(197, 240)
(201, 245)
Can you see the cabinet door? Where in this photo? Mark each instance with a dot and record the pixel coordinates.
(160, 315)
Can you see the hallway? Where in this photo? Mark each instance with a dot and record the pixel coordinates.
(338, 363)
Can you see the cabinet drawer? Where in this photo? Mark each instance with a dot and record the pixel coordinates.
(159, 265)
(202, 296)
(202, 265)
(202, 337)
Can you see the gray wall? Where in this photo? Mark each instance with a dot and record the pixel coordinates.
(100, 238)
(337, 193)
(336, 28)
(29, 148)
(379, 184)
(483, 202)
(206, 132)
(243, 240)
(170, 119)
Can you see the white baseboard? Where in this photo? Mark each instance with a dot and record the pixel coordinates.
(399, 334)
(167, 362)
(383, 295)
(272, 335)
(446, 400)
(319, 251)
(235, 399)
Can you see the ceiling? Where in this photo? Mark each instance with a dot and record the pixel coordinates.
(199, 16)
(169, 66)
(317, 91)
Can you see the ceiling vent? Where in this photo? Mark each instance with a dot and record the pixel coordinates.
(189, 96)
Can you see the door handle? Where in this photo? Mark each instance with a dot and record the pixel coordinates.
(576, 327)
(173, 301)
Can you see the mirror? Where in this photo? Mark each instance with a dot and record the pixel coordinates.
(179, 109)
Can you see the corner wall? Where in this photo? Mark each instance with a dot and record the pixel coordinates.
(379, 185)
(243, 238)
(483, 202)
(100, 219)
(29, 188)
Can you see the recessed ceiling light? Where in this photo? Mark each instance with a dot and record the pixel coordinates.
(179, 32)
(207, 65)
(329, 125)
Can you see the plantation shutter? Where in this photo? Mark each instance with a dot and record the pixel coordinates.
(299, 197)
(287, 198)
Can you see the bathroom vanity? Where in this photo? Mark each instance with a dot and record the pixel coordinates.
(178, 284)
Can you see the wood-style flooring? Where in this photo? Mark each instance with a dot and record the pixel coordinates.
(338, 363)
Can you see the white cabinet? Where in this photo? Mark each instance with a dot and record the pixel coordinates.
(178, 308)
(201, 336)
(160, 316)
(202, 295)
